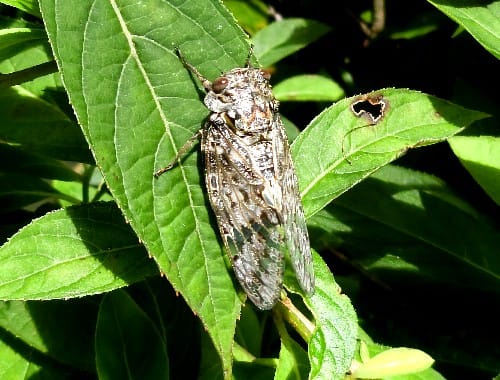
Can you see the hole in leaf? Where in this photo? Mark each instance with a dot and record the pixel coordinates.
(372, 107)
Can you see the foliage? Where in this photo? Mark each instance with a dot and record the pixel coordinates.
(107, 272)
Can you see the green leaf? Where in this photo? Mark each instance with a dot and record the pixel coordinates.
(128, 345)
(481, 157)
(40, 127)
(293, 361)
(412, 222)
(138, 105)
(65, 338)
(308, 87)
(210, 365)
(20, 190)
(16, 160)
(282, 38)
(23, 365)
(421, 25)
(394, 362)
(28, 6)
(78, 251)
(30, 115)
(252, 15)
(332, 345)
(374, 349)
(347, 148)
(246, 328)
(480, 19)
(14, 40)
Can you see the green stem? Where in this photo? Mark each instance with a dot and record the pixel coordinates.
(295, 318)
(26, 75)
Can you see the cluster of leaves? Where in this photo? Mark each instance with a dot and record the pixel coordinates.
(76, 236)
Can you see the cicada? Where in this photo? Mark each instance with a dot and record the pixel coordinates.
(251, 183)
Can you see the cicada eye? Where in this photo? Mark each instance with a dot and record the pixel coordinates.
(265, 74)
(219, 85)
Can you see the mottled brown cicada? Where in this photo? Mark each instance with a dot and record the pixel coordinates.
(251, 183)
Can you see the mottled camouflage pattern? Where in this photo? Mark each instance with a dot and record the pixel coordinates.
(252, 185)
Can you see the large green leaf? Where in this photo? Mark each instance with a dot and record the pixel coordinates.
(347, 148)
(137, 105)
(416, 228)
(78, 251)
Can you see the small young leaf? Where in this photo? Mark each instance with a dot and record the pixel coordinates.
(282, 38)
(394, 362)
(308, 88)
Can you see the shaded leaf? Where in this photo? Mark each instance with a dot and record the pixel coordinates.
(15, 39)
(28, 6)
(252, 15)
(67, 333)
(40, 127)
(416, 227)
(481, 157)
(22, 365)
(293, 361)
(16, 160)
(480, 19)
(19, 190)
(128, 345)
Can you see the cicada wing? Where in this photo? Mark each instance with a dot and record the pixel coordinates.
(294, 221)
(251, 229)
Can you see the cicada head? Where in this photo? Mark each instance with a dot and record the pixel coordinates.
(244, 96)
